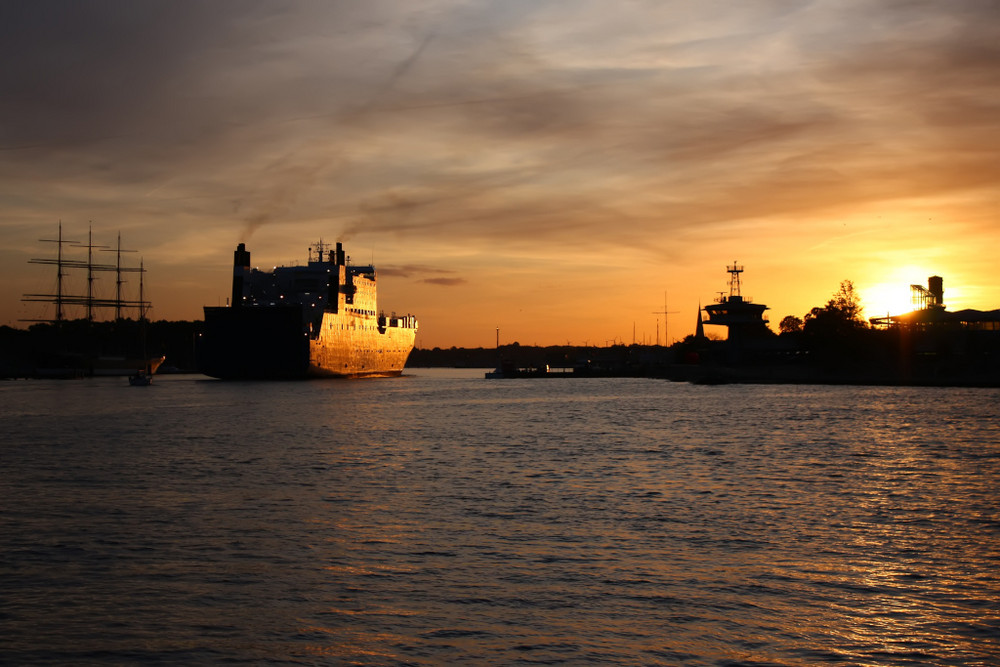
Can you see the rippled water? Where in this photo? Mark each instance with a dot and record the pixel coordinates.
(441, 518)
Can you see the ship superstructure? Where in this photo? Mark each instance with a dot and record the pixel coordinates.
(317, 320)
(744, 318)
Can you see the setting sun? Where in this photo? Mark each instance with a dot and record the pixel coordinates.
(890, 293)
(886, 299)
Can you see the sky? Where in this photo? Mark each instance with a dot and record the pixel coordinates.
(558, 170)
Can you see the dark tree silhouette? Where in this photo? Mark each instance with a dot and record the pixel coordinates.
(836, 333)
(840, 315)
(790, 324)
(848, 302)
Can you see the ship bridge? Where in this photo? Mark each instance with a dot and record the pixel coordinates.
(742, 317)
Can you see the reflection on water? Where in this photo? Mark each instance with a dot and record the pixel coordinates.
(441, 518)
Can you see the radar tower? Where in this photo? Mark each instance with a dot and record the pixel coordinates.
(734, 279)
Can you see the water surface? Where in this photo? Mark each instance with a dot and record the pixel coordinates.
(440, 518)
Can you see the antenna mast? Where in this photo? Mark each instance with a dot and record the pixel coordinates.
(320, 247)
(666, 313)
(734, 281)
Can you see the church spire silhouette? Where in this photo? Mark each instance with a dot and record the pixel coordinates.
(699, 331)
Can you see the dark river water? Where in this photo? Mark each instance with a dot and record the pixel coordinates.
(441, 518)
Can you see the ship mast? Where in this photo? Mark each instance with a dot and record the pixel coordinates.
(119, 281)
(59, 276)
(118, 278)
(320, 247)
(60, 263)
(88, 300)
(734, 280)
(91, 267)
(142, 298)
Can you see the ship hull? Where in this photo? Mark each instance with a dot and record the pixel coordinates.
(269, 343)
(360, 354)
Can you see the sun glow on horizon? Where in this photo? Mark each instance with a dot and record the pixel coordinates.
(884, 299)
(892, 293)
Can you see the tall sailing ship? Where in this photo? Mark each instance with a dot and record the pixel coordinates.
(89, 301)
(317, 320)
(81, 342)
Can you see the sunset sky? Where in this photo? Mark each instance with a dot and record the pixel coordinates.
(550, 168)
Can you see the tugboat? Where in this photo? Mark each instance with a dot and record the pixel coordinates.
(318, 320)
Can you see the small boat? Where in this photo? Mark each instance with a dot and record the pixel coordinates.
(144, 376)
(140, 379)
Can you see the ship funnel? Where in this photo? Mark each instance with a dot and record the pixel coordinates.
(241, 274)
(341, 259)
